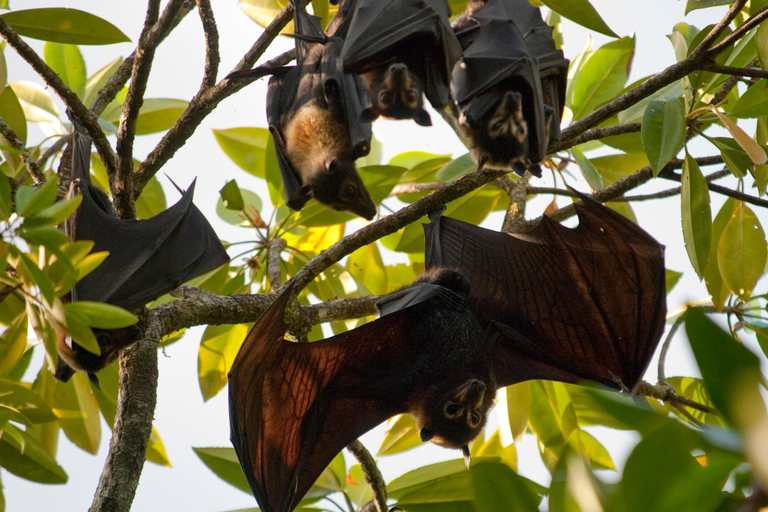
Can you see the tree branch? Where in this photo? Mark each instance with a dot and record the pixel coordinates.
(16, 143)
(710, 39)
(275, 247)
(514, 219)
(667, 394)
(412, 188)
(742, 29)
(372, 474)
(669, 175)
(594, 134)
(211, 43)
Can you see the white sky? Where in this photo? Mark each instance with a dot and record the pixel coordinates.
(181, 417)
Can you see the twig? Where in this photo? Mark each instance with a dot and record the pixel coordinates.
(710, 39)
(86, 118)
(742, 29)
(412, 188)
(211, 42)
(594, 134)
(665, 348)
(514, 219)
(668, 394)
(372, 474)
(339, 309)
(730, 70)
(191, 292)
(24, 154)
(275, 247)
(392, 223)
(669, 175)
(204, 102)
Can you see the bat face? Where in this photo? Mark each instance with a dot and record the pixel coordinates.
(341, 188)
(454, 417)
(73, 357)
(397, 92)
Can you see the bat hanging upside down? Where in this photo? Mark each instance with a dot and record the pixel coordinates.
(493, 309)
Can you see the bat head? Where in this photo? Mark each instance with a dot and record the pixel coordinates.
(498, 133)
(452, 416)
(340, 187)
(397, 92)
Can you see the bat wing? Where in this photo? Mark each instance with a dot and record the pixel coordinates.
(147, 258)
(294, 406)
(568, 304)
(382, 29)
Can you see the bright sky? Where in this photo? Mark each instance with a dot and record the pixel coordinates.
(181, 417)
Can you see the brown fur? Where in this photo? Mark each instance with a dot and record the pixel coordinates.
(312, 139)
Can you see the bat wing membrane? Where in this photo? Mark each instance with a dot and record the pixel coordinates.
(568, 304)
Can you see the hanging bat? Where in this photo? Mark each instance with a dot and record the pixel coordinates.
(510, 85)
(492, 310)
(315, 115)
(147, 258)
(403, 49)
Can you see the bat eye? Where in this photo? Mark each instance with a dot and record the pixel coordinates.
(385, 97)
(452, 410)
(411, 96)
(475, 418)
(497, 125)
(347, 191)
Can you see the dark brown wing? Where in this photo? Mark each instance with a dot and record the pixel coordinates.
(569, 304)
(294, 406)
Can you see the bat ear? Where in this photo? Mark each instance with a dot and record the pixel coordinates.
(465, 453)
(369, 115)
(94, 380)
(422, 118)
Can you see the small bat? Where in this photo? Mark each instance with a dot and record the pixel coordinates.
(510, 85)
(315, 115)
(403, 49)
(147, 258)
(493, 309)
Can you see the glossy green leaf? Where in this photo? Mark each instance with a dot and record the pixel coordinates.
(581, 12)
(626, 412)
(456, 169)
(156, 450)
(78, 412)
(100, 315)
(37, 102)
(5, 198)
(518, 401)
(729, 369)
(32, 200)
(264, 11)
(401, 435)
(218, 349)
(675, 90)
(671, 278)
(12, 113)
(613, 168)
(712, 277)
(366, 265)
(742, 251)
(663, 132)
(223, 462)
(60, 210)
(357, 489)
(734, 156)
(246, 147)
(693, 5)
(81, 333)
(3, 71)
(497, 487)
(696, 216)
(753, 103)
(47, 236)
(69, 26)
(32, 275)
(67, 61)
(761, 45)
(234, 217)
(230, 194)
(151, 201)
(26, 401)
(31, 461)
(13, 343)
(603, 76)
(693, 389)
(159, 114)
(99, 79)
(380, 180)
(588, 170)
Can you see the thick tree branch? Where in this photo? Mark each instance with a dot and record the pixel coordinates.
(514, 220)
(742, 29)
(16, 143)
(211, 42)
(594, 134)
(275, 247)
(204, 102)
(339, 309)
(372, 474)
(710, 39)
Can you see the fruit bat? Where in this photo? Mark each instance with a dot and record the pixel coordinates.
(401, 48)
(147, 258)
(510, 85)
(492, 309)
(315, 115)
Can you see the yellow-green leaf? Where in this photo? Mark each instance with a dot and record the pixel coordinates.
(742, 251)
(218, 349)
(696, 216)
(61, 25)
(78, 412)
(663, 132)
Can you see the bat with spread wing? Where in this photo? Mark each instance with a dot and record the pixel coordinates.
(493, 309)
(510, 85)
(147, 258)
(315, 116)
(403, 49)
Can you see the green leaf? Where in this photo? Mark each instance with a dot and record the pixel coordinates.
(67, 61)
(456, 169)
(151, 201)
(272, 174)
(693, 5)
(673, 91)
(3, 71)
(616, 167)
(5, 197)
(30, 200)
(603, 76)
(156, 115)
(246, 147)
(27, 402)
(761, 45)
(156, 450)
(518, 402)
(69, 26)
(230, 194)
(366, 266)
(60, 210)
(581, 12)
(588, 170)
(32, 275)
(78, 412)
(99, 79)
(663, 132)
(696, 216)
(46, 236)
(671, 278)
(753, 103)
(401, 435)
(233, 217)
(218, 349)
(730, 371)
(12, 113)
(735, 158)
(81, 333)
(99, 315)
(30, 460)
(264, 11)
(380, 180)
(742, 251)
(223, 462)
(497, 487)
(13, 343)
(37, 102)
(693, 389)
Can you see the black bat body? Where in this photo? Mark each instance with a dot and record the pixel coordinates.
(314, 111)
(402, 48)
(147, 258)
(510, 85)
(493, 309)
